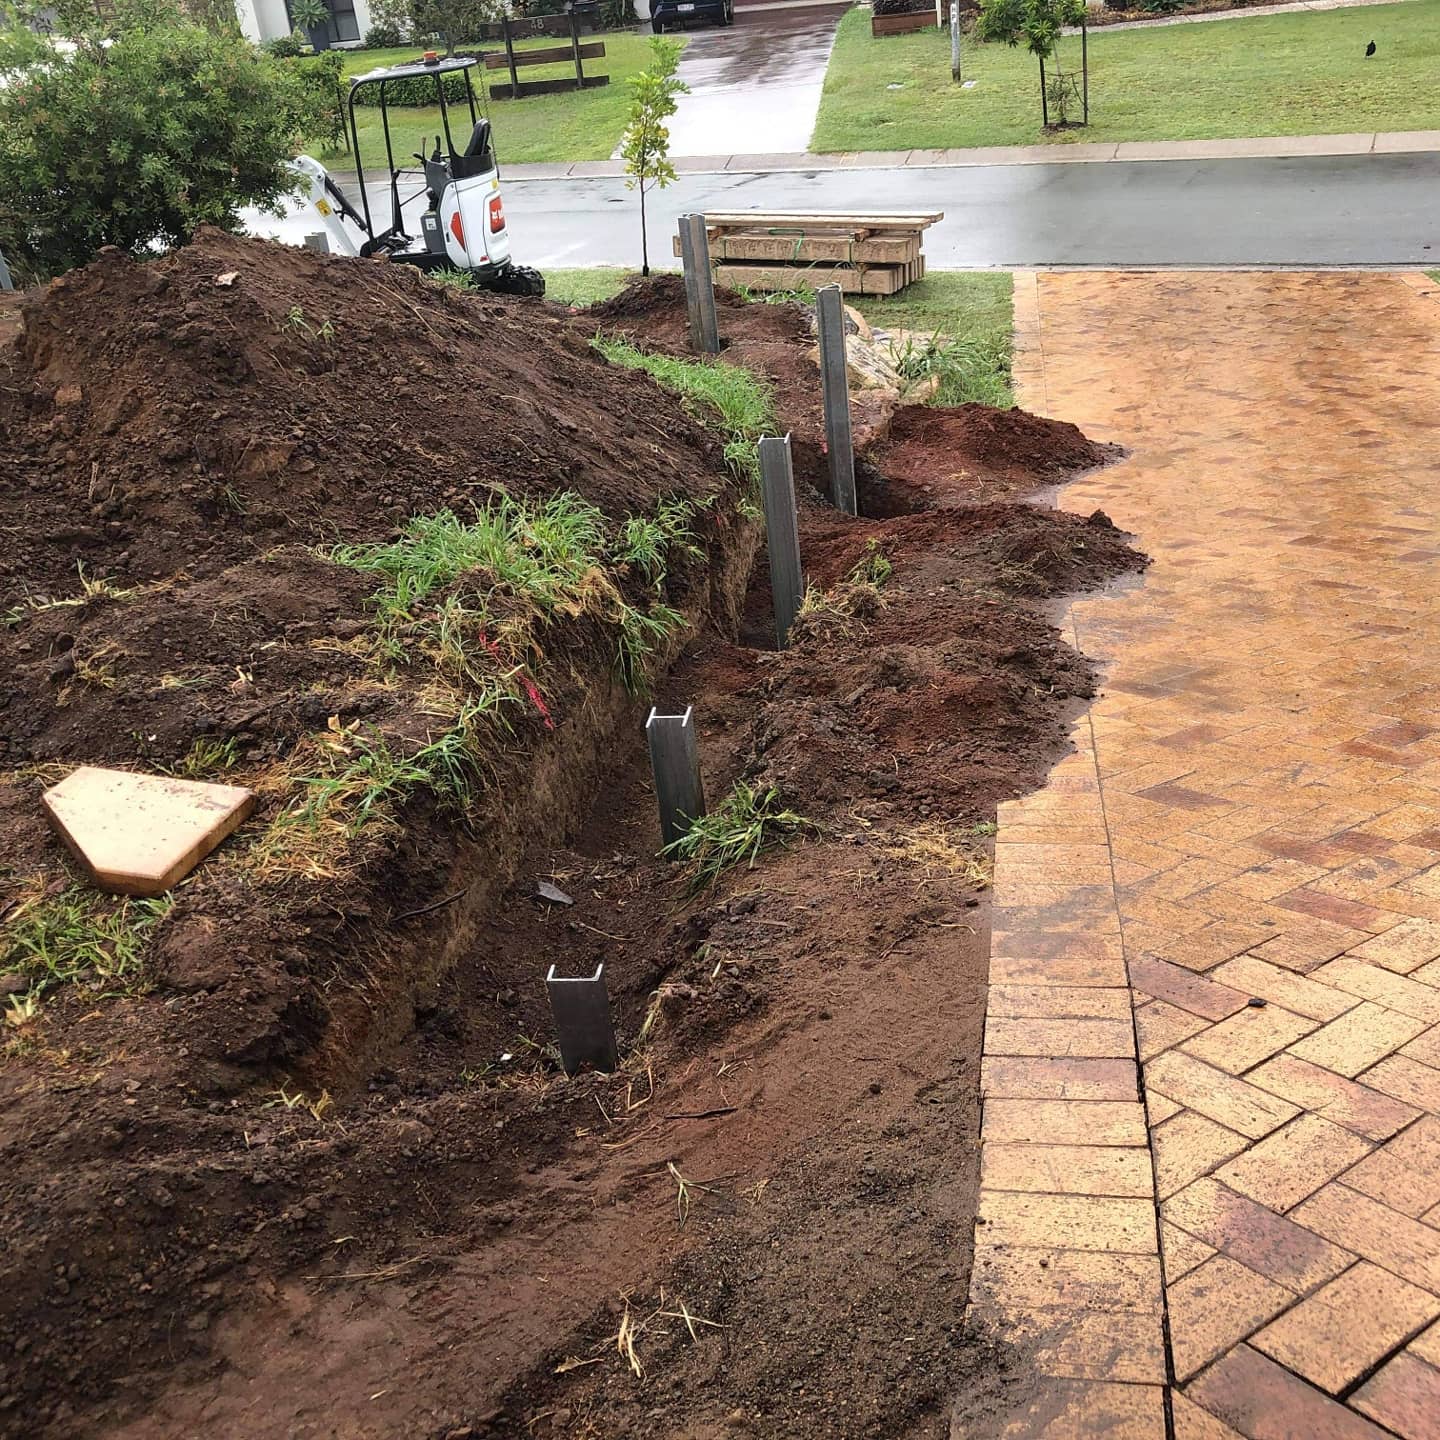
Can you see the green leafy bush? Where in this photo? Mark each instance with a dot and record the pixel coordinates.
(452, 22)
(149, 128)
(384, 35)
(284, 47)
(420, 91)
(309, 14)
(322, 79)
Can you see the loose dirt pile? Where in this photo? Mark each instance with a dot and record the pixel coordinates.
(238, 396)
(320, 1174)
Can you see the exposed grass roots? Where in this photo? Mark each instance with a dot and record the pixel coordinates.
(848, 607)
(746, 823)
(712, 391)
(524, 564)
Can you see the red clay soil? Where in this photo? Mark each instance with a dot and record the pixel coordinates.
(452, 1245)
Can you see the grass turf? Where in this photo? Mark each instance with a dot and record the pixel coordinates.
(585, 287)
(972, 309)
(576, 126)
(1296, 74)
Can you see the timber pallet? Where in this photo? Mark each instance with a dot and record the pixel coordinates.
(863, 254)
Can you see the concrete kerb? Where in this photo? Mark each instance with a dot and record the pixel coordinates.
(1256, 148)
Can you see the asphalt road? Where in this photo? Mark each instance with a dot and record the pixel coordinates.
(1310, 211)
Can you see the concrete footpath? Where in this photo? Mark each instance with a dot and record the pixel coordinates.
(1401, 142)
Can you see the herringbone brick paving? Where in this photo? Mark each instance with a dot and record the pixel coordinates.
(1210, 1183)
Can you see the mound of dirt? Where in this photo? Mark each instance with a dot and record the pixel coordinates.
(315, 1173)
(239, 395)
(980, 452)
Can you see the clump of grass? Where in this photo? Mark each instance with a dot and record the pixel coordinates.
(524, 564)
(846, 609)
(360, 780)
(968, 368)
(738, 831)
(78, 935)
(873, 567)
(647, 542)
(206, 756)
(96, 669)
(451, 279)
(287, 1099)
(299, 324)
(714, 392)
(795, 295)
(92, 587)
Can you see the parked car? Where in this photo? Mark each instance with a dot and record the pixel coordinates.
(679, 12)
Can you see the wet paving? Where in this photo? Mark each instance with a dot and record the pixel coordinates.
(1210, 1173)
(754, 86)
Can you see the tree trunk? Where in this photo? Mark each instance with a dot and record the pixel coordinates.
(1044, 98)
(644, 237)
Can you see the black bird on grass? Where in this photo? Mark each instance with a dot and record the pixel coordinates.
(1370, 48)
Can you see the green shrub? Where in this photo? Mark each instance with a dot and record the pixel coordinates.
(322, 78)
(284, 47)
(420, 91)
(309, 14)
(389, 24)
(385, 35)
(452, 22)
(149, 128)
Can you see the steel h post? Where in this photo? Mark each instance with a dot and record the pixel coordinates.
(699, 285)
(782, 533)
(583, 1026)
(835, 386)
(675, 764)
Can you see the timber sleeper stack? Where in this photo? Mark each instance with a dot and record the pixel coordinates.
(863, 254)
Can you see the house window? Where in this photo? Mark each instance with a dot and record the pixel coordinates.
(343, 27)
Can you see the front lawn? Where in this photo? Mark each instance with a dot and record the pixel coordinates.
(972, 311)
(1297, 74)
(583, 125)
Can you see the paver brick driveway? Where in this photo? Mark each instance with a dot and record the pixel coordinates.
(1210, 1178)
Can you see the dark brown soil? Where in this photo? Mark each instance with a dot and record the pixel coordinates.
(157, 412)
(450, 1247)
(986, 453)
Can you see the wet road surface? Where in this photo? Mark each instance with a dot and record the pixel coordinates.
(1304, 211)
(1310, 211)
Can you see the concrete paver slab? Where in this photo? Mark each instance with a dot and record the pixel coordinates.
(140, 834)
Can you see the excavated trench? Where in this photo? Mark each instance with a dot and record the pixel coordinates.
(449, 1240)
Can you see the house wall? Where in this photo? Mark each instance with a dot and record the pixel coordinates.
(268, 19)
